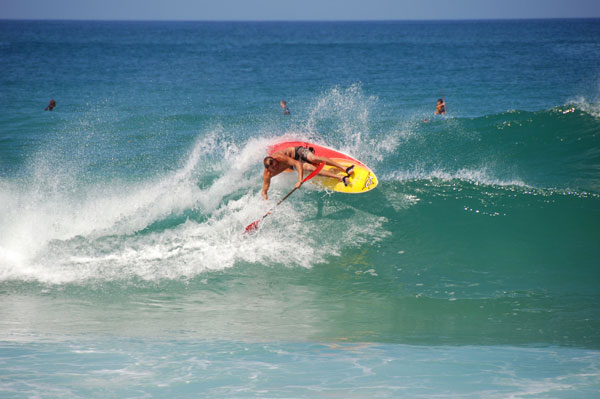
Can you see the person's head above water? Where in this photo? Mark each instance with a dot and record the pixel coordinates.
(51, 105)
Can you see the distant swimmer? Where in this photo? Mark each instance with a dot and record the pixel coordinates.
(286, 110)
(50, 106)
(299, 158)
(440, 108)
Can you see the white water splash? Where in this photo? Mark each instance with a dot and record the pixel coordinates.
(343, 115)
(101, 232)
(591, 107)
(476, 176)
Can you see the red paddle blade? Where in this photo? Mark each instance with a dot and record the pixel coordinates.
(252, 226)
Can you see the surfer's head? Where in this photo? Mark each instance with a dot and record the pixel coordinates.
(51, 105)
(269, 161)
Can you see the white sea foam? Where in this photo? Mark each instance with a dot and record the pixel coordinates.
(343, 115)
(592, 107)
(55, 235)
(400, 201)
(476, 176)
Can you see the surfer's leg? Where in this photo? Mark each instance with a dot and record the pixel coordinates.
(312, 158)
(309, 167)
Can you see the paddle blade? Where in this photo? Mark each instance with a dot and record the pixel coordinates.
(252, 227)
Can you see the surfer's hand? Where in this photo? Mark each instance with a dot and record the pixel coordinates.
(298, 184)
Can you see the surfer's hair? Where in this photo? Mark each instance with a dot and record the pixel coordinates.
(268, 161)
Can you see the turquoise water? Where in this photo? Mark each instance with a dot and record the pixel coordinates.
(471, 271)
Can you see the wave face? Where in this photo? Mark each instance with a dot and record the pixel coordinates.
(489, 220)
(552, 149)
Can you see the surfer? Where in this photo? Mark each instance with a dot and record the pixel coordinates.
(286, 110)
(299, 158)
(50, 106)
(440, 108)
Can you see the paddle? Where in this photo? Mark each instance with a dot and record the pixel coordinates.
(254, 225)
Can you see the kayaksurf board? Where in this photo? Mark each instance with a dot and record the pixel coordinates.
(362, 180)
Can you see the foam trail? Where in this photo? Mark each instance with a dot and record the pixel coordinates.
(103, 231)
(195, 247)
(481, 176)
(35, 216)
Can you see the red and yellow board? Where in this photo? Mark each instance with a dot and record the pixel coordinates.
(362, 180)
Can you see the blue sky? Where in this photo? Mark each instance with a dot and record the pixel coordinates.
(296, 10)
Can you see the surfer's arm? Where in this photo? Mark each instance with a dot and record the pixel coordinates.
(300, 168)
(283, 157)
(266, 184)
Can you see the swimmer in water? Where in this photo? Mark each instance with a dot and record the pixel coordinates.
(440, 108)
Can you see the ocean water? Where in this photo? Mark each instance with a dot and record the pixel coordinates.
(471, 271)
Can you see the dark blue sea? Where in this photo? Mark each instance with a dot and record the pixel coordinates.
(471, 271)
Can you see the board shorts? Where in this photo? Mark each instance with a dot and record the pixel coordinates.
(301, 153)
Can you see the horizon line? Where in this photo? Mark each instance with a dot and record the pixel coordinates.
(301, 20)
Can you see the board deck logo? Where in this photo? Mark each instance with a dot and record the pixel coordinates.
(368, 182)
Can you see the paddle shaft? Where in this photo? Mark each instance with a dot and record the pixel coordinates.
(254, 225)
(271, 210)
